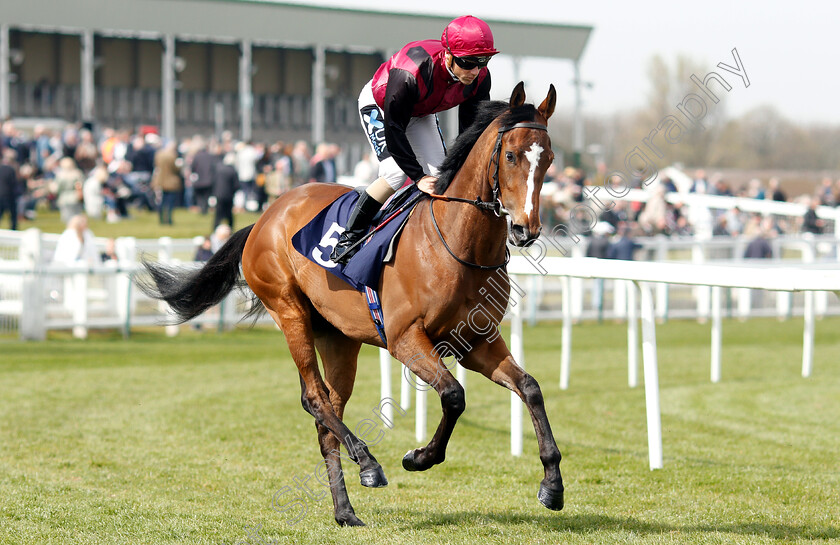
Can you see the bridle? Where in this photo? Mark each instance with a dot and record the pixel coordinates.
(495, 204)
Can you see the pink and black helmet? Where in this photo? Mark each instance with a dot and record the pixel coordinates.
(468, 36)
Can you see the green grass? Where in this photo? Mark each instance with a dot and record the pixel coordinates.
(185, 440)
(142, 224)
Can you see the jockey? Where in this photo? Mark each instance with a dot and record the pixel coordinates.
(398, 110)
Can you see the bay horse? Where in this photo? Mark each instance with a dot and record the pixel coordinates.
(448, 256)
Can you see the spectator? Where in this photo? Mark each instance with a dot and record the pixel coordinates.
(86, 152)
(69, 181)
(721, 187)
(40, 148)
(12, 140)
(721, 227)
(168, 181)
(676, 222)
(599, 243)
(203, 169)
(810, 222)
(669, 185)
(759, 247)
(205, 251)
(263, 168)
(92, 192)
(700, 184)
(117, 192)
(323, 164)
(278, 180)
(220, 235)
(300, 163)
(246, 170)
(110, 251)
(225, 185)
(652, 219)
(69, 142)
(825, 193)
(734, 221)
(76, 244)
(625, 247)
(754, 189)
(10, 189)
(774, 190)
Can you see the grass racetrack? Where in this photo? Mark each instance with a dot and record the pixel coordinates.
(185, 440)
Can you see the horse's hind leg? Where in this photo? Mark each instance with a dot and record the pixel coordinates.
(415, 350)
(296, 325)
(339, 358)
(494, 361)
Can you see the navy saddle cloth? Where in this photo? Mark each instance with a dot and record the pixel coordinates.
(317, 239)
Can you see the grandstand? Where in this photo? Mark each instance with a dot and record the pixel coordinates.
(263, 69)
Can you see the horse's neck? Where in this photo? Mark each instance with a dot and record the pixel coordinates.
(481, 233)
(472, 179)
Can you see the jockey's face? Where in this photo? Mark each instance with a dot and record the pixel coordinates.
(464, 76)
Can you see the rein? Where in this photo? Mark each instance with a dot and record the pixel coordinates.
(494, 205)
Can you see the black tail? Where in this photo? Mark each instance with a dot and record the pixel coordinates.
(191, 292)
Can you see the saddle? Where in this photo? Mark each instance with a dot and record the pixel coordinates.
(317, 238)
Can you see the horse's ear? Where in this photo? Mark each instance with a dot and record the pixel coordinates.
(547, 106)
(517, 97)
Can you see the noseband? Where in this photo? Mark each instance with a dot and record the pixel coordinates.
(495, 204)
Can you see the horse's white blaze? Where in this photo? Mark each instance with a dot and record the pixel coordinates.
(533, 157)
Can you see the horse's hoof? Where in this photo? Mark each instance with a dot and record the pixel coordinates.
(349, 520)
(551, 498)
(373, 478)
(408, 462)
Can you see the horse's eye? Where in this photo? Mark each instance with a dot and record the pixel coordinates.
(511, 158)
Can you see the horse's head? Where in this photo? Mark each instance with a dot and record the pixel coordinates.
(523, 152)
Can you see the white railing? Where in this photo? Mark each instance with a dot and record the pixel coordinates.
(643, 275)
(639, 278)
(37, 296)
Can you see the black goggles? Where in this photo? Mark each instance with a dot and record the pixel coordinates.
(469, 63)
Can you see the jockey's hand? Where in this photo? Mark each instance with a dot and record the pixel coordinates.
(426, 184)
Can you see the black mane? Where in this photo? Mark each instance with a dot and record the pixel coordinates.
(488, 111)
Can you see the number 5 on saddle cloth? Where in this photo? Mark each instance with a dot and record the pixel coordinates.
(316, 240)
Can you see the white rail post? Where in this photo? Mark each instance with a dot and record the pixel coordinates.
(405, 391)
(566, 338)
(632, 336)
(698, 255)
(124, 303)
(716, 334)
(535, 295)
(784, 300)
(808, 336)
(33, 316)
(420, 416)
(744, 303)
(79, 297)
(517, 350)
(654, 419)
(662, 287)
(385, 383)
(619, 299)
(165, 256)
(461, 375)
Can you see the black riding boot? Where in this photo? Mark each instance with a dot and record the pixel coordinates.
(357, 226)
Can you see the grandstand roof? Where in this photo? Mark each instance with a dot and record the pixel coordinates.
(278, 23)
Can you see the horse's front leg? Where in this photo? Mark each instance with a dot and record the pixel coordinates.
(414, 349)
(494, 361)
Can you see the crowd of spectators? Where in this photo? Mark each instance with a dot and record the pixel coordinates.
(113, 172)
(565, 191)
